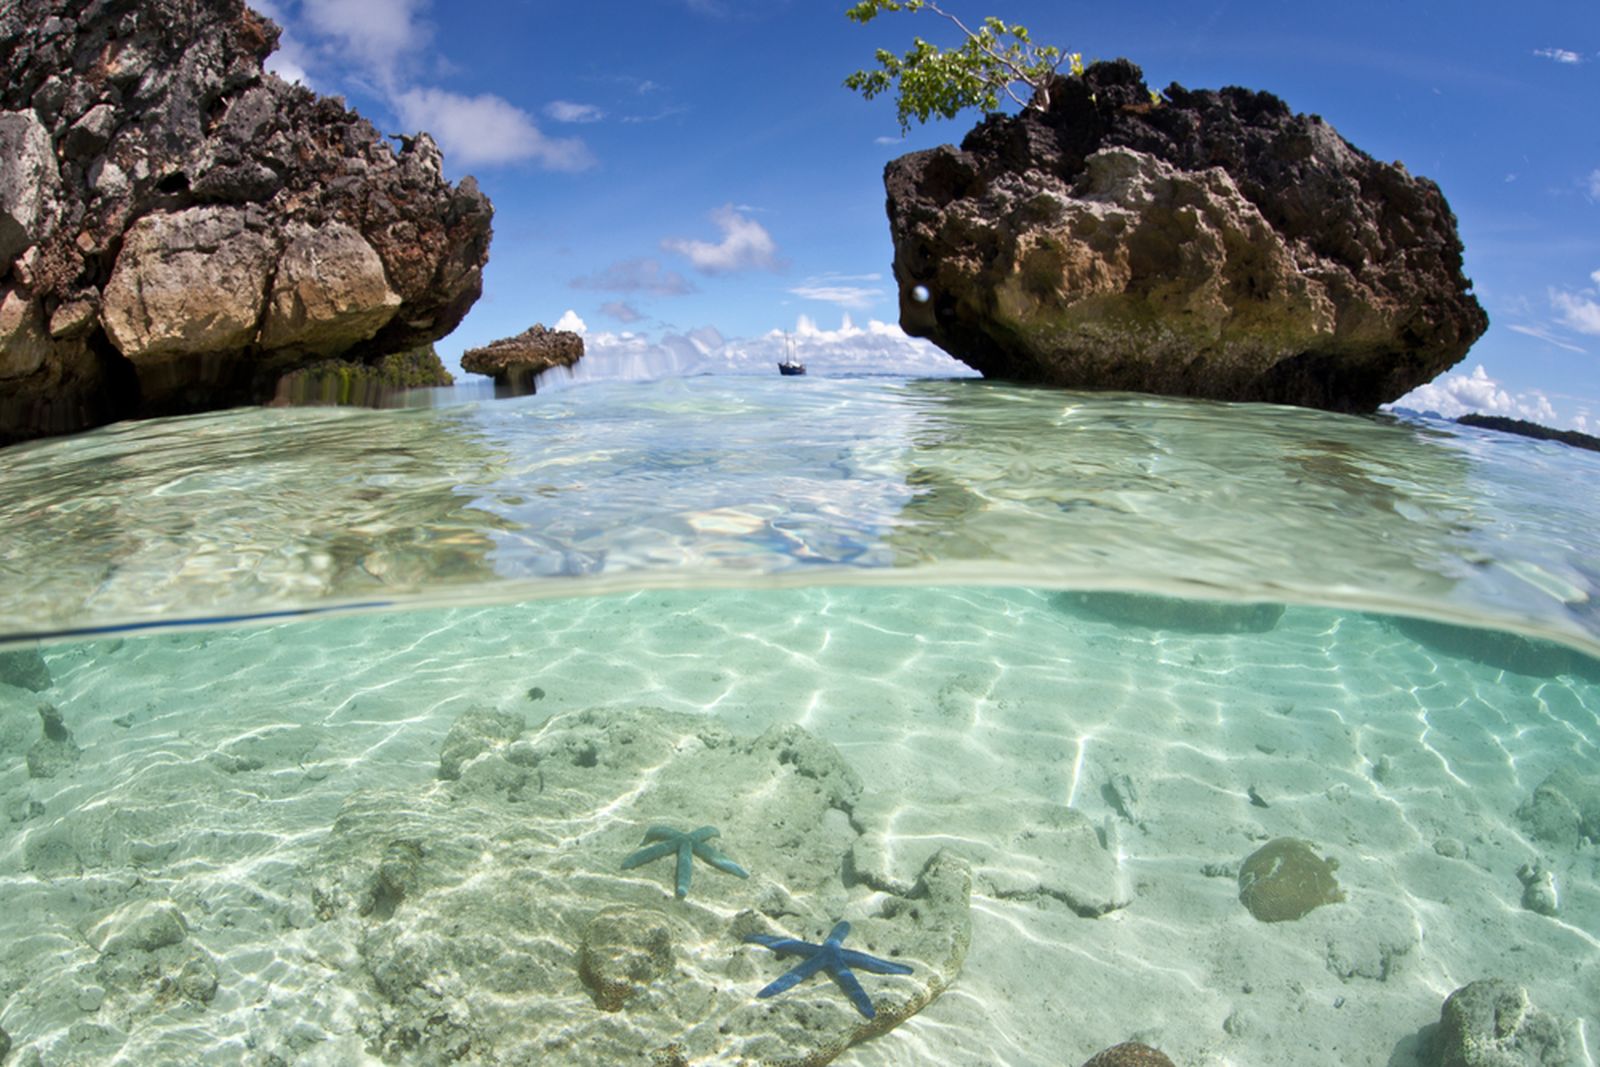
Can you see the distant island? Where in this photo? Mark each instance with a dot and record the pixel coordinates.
(1530, 429)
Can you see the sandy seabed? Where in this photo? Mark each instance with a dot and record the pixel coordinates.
(209, 870)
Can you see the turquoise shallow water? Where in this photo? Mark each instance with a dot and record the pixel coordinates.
(849, 622)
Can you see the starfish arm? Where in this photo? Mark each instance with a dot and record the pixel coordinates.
(662, 833)
(873, 964)
(645, 855)
(785, 946)
(792, 978)
(685, 866)
(717, 859)
(853, 990)
(704, 834)
(839, 932)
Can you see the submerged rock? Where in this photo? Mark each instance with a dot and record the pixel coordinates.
(1172, 613)
(25, 669)
(55, 751)
(1129, 1054)
(179, 229)
(1285, 879)
(1563, 810)
(1212, 244)
(515, 362)
(1491, 1023)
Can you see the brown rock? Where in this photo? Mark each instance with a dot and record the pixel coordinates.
(1129, 1054)
(188, 283)
(330, 292)
(23, 342)
(162, 202)
(517, 361)
(28, 178)
(622, 952)
(1212, 245)
(1285, 879)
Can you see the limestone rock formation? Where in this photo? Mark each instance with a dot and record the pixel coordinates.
(1491, 1023)
(1212, 244)
(517, 361)
(179, 230)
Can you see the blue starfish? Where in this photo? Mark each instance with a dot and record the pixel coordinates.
(696, 843)
(829, 956)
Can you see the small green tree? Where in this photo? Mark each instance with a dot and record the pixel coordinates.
(995, 59)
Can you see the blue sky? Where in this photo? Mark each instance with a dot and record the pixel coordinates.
(687, 179)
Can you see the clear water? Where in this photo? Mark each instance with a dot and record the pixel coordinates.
(1099, 649)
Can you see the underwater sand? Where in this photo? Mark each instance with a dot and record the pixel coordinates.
(215, 762)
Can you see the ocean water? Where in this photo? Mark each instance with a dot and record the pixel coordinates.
(325, 734)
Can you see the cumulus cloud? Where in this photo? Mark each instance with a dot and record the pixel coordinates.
(877, 348)
(1579, 311)
(377, 33)
(1560, 55)
(845, 290)
(636, 276)
(485, 128)
(569, 321)
(1456, 394)
(290, 59)
(621, 310)
(745, 245)
(377, 45)
(567, 111)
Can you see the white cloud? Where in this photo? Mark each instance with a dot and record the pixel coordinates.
(1594, 187)
(1579, 311)
(486, 129)
(877, 348)
(1546, 336)
(567, 111)
(1560, 55)
(745, 245)
(377, 44)
(888, 140)
(291, 57)
(378, 33)
(636, 276)
(569, 321)
(841, 289)
(1456, 394)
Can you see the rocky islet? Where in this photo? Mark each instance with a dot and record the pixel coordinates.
(1193, 243)
(179, 230)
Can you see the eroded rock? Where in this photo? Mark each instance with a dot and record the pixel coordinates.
(55, 751)
(516, 361)
(178, 229)
(1211, 244)
(1492, 1023)
(25, 669)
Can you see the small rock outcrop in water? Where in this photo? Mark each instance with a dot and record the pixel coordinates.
(517, 361)
(179, 229)
(1214, 244)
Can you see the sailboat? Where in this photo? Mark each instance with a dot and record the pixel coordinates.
(790, 364)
